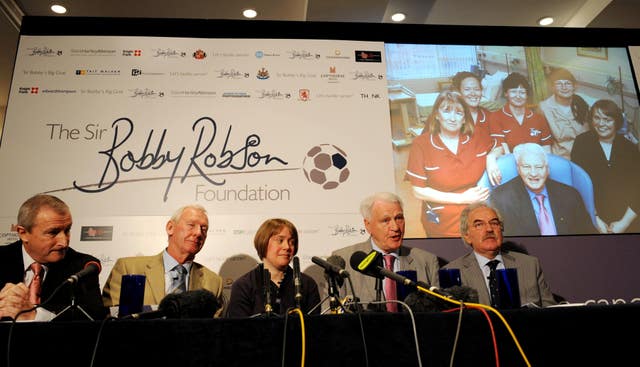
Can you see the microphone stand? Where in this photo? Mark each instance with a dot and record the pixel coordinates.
(73, 307)
(378, 305)
(334, 295)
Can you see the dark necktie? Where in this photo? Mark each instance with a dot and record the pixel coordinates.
(493, 283)
(390, 285)
(179, 284)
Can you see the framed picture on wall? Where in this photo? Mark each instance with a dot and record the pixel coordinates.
(593, 52)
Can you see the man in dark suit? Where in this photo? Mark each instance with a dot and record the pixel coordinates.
(44, 225)
(481, 227)
(562, 210)
(384, 220)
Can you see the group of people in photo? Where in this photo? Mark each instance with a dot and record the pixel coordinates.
(462, 141)
(36, 269)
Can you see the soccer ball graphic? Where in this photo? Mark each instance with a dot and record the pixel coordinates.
(326, 165)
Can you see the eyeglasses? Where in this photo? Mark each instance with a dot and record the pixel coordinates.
(479, 225)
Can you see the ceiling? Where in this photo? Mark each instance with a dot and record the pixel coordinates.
(568, 13)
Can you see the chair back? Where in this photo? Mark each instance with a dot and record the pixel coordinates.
(560, 169)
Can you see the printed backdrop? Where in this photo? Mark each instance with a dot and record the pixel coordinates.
(127, 129)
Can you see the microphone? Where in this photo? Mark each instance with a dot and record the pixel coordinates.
(297, 281)
(332, 268)
(90, 268)
(266, 287)
(368, 265)
(340, 263)
(193, 304)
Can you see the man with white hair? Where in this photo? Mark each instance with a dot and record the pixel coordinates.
(537, 205)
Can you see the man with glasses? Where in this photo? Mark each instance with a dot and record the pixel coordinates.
(565, 111)
(481, 228)
(537, 205)
(516, 122)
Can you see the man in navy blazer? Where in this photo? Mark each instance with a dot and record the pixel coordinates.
(44, 225)
(481, 228)
(516, 199)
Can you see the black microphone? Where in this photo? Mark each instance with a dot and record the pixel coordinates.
(266, 288)
(366, 264)
(297, 281)
(193, 304)
(330, 267)
(340, 263)
(90, 268)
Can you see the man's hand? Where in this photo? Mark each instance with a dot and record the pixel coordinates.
(13, 299)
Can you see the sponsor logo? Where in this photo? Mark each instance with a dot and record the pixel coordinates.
(334, 95)
(332, 76)
(139, 72)
(145, 93)
(366, 75)
(28, 90)
(58, 91)
(187, 73)
(199, 54)
(231, 74)
(168, 53)
(302, 55)
(96, 233)
(304, 95)
(368, 56)
(261, 54)
(44, 72)
(337, 54)
(263, 74)
(92, 52)
(236, 95)
(43, 51)
(272, 94)
(192, 93)
(101, 72)
(131, 52)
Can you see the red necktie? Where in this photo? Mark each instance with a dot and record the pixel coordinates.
(544, 220)
(390, 285)
(36, 283)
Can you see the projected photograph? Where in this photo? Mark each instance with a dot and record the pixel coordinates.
(548, 135)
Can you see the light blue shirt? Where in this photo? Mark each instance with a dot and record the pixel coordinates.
(170, 274)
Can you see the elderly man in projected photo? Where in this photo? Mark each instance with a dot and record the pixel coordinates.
(445, 163)
(612, 162)
(537, 205)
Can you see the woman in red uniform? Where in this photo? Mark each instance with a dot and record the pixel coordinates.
(445, 163)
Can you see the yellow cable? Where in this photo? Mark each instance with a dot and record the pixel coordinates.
(504, 321)
(303, 346)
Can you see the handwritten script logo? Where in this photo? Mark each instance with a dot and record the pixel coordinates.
(155, 157)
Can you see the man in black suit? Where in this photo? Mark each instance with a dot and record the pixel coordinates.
(562, 210)
(44, 225)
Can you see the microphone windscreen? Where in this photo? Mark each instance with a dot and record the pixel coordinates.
(463, 293)
(424, 302)
(193, 304)
(369, 262)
